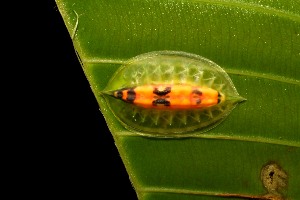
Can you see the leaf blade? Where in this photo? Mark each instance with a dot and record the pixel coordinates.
(257, 43)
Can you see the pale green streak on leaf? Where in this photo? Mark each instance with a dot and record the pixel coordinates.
(258, 45)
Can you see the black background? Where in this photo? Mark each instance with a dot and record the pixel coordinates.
(80, 157)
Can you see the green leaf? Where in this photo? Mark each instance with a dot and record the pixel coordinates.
(256, 42)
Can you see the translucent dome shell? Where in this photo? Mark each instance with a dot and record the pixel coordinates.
(170, 68)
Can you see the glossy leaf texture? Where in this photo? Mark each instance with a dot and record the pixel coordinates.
(256, 42)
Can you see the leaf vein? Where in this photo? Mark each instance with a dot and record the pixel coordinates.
(229, 71)
(203, 193)
(224, 137)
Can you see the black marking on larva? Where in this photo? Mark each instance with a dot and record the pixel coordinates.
(198, 101)
(130, 95)
(198, 92)
(119, 94)
(161, 101)
(219, 97)
(166, 91)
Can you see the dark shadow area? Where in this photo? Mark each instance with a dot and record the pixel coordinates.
(80, 158)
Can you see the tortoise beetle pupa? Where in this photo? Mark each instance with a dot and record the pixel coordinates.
(169, 93)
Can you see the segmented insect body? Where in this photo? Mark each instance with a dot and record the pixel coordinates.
(170, 96)
(170, 93)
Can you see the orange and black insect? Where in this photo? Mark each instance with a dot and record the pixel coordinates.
(170, 93)
(164, 96)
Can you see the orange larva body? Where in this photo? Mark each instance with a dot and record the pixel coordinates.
(168, 96)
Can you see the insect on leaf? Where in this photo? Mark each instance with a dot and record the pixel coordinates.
(170, 93)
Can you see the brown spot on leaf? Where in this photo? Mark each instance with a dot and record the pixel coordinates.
(274, 178)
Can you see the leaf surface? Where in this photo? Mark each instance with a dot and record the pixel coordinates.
(256, 42)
